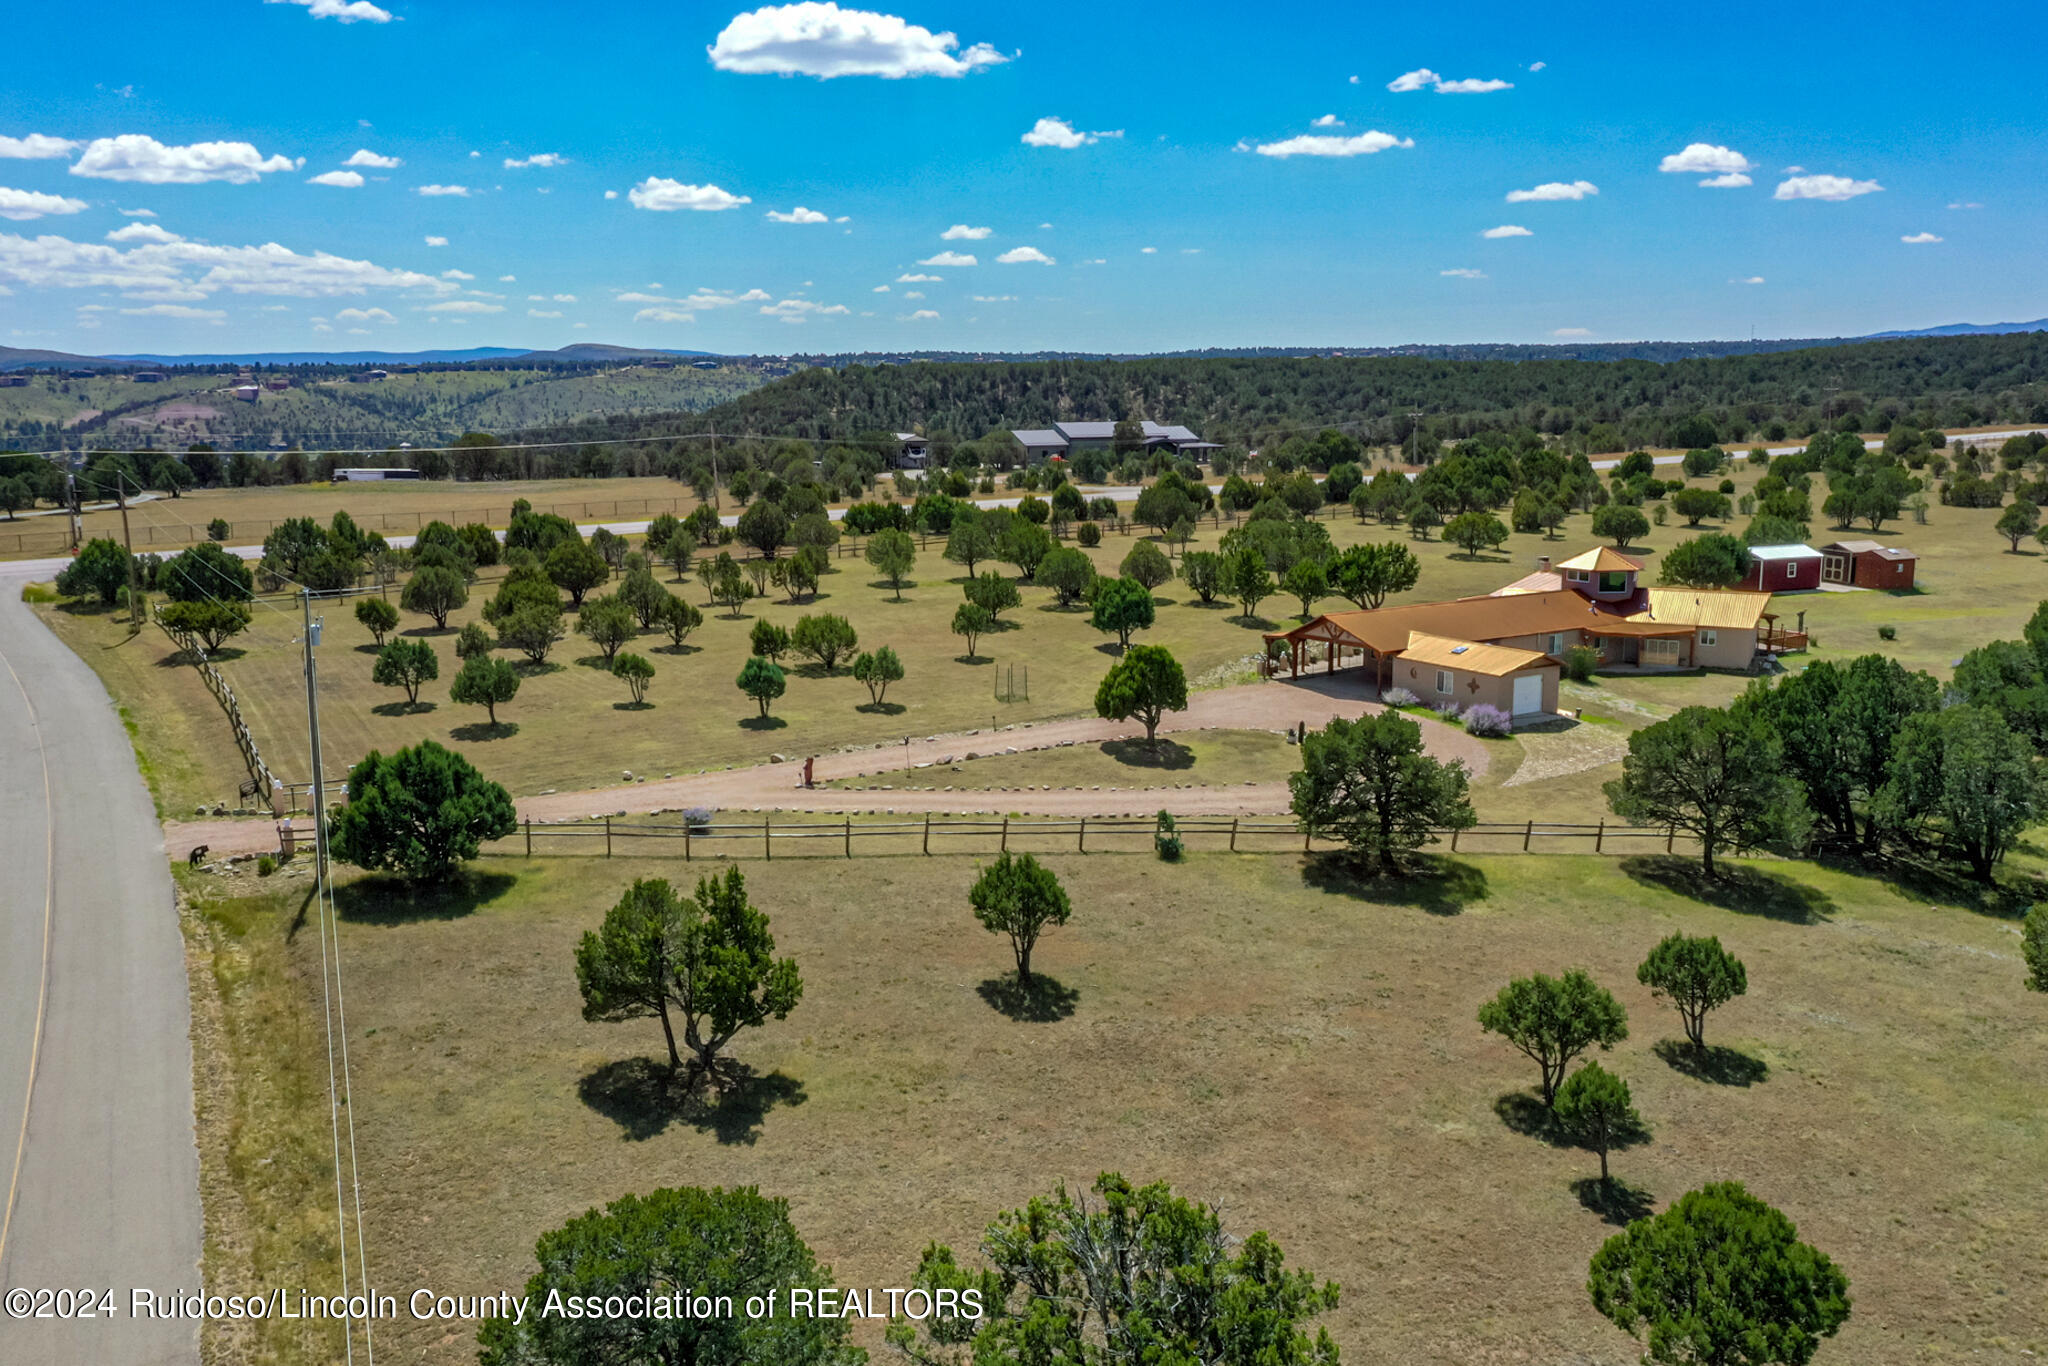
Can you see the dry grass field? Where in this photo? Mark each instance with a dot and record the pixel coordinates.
(1255, 1030)
(1215, 758)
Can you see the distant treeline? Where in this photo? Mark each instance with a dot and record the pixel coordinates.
(1923, 382)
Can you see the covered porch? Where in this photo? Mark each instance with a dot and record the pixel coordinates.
(1321, 647)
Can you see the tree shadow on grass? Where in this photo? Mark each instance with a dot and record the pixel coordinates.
(633, 706)
(401, 708)
(1166, 755)
(476, 732)
(975, 661)
(1213, 605)
(643, 1098)
(598, 662)
(425, 631)
(387, 899)
(368, 649)
(1438, 885)
(1721, 1066)
(1743, 890)
(678, 649)
(527, 668)
(882, 708)
(2008, 896)
(1525, 1114)
(1040, 1001)
(1614, 1200)
(763, 723)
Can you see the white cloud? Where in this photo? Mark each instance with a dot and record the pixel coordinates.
(1464, 273)
(1747, 280)
(913, 294)
(796, 310)
(1555, 189)
(960, 232)
(918, 278)
(879, 289)
(666, 196)
(344, 180)
(1148, 251)
(543, 312)
(1571, 331)
(1833, 188)
(465, 306)
(508, 279)
(1795, 170)
(204, 315)
(1046, 227)
(143, 232)
(994, 298)
(188, 272)
(1354, 80)
(922, 315)
(437, 241)
(365, 315)
(663, 315)
(611, 194)
(1538, 66)
(1025, 255)
(21, 205)
(457, 275)
(823, 40)
(949, 258)
(799, 214)
(35, 147)
(565, 298)
(1423, 78)
(347, 11)
(365, 157)
(1326, 121)
(538, 159)
(1330, 145)
(140, 158)
(443, 191)
(1964, 204)
(1920, 238)
(1726, 168)
(1059, 133)
(1508, 230)
(137, 213)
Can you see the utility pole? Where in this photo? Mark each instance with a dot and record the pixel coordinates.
(71, 505)
(312, 638)
(134, 581)
(715, 506)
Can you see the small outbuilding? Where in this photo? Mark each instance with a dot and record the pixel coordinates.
(1437, 669)
(1782, 569)
(1868, 564)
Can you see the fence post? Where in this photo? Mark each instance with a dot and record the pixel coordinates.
(927, 832)
(1233, 834)
(686, 839)
(1670, 834)
(1082, 846)
(1527, 831)
(1600, 835)
(529, 837)
(607, 836)
(1454, 840)
(767, 839)
(849, 837)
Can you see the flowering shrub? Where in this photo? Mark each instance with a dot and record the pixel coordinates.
(1399, 697)
(1489, 720)
(1447, 710)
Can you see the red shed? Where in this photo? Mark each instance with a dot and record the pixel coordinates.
(1868, 564)
(1782, 569)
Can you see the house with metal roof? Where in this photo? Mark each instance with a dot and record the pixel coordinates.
(913, 452)
(1040, 444)
(1063, 439)
(1783, 568)
(1868, 564)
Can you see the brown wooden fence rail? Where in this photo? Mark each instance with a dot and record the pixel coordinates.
(770, 838)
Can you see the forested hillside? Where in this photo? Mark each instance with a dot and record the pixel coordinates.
(1947, 381)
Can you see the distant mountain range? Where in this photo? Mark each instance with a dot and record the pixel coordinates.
(586, 353)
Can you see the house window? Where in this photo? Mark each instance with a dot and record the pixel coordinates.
(1707, 637)
(1556, 643)
(1661, 647)
(1443, 681)
(1576, 575)
(1615, 582)
(1898, 569)
(1791, 569)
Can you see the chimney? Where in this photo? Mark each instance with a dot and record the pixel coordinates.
(1543, 564)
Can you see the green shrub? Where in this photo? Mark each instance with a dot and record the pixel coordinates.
(1580, 661)
(1088, 534)
(1887, 633)
(265, 866)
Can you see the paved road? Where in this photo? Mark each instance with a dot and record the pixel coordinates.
(96, 1139)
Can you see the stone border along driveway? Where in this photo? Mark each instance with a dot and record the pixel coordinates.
(773, 786)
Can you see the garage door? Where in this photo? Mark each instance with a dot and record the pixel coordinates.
(1528, 694)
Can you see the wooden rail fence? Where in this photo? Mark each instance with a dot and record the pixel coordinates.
(261, 783)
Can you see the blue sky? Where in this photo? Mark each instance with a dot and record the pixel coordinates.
(1179, 187)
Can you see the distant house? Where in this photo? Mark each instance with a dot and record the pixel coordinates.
(354, 476)
(149, 377)
(913, 452)
(13, 381)
(247, 393)
(703, 365)
(1063, 439)
(1782, 569)
(1040, 444)
(278, 383)
(661, 365)
(80, 374)
(1868, 564)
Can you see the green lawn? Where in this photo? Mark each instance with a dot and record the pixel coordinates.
(1254, 1030)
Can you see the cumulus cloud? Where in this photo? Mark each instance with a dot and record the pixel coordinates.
(961, 232)
(1508, 230)
(365, 157)
(1053, 132)
(347, 11)
(664, 315)
(919, 278)
(666, 196)
(1538, 66)
(913, 294)
(1965, 204)
(1724, 167)
(345, 180)
(1920, 238)
(564, 298)
(465, 306)
(993, 298)
(184, 311)
(457, 275)
(1326, 121)
(799, 214)
(21, 205)
(1422, 78)
(1747, 280)
(365, 315)
(443, 191)
(1833, 188)
(543, 312)
(1148, 251)
(1571, 331)
(879, 289)
(1555, 189)
(1332, 145)
(922, 315)
(1023, 255)
(437, 241)
(189, 272)
(507, 279)
(1464, 273)
(143, 232)
(949, 258)
(538, 159)
(823, 40)
(136, 213)
(796, 310)
(35, 147)
(142, 159)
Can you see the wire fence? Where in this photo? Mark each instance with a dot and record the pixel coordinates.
(937, 834)
(261, 783)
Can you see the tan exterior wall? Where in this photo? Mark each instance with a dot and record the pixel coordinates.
(1734, 648)
(1420, 679)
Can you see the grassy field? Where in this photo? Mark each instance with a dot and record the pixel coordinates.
(1216, 758)
(568, 734)
(1257, 1031)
